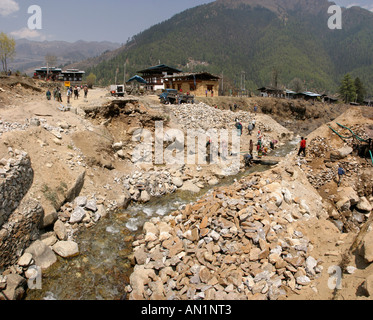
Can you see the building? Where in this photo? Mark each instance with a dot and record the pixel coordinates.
(154, 76)
(41, 73)
(272, 92)
(196, 84)
(74, 76)
(308, 95)
(329, 99)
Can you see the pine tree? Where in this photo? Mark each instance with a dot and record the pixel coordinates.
(347, 89)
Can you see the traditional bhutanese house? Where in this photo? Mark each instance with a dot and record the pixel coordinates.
(272, 92)
(308, 95)
(154, 76)
(196, 84)
(290, 94)
(42, 72)
(74, 76)
(329, 99)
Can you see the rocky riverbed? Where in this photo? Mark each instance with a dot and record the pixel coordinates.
(271, 235)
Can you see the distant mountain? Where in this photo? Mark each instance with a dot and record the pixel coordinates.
(265, 39)
(31, 54)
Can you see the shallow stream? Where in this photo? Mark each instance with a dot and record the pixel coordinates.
(102, 270)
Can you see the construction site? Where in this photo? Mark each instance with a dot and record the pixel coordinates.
(80, 219)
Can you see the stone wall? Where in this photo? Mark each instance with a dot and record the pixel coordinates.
(19, 218)
(16, 177)
(21, 229)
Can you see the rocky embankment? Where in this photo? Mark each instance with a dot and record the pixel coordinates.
(253, 240)
(238, 242)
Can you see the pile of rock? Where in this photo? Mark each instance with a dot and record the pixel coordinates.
(350, 211)
(318, 148)
(142, 185)
(237, 242)
(203, 116)
(82, 211)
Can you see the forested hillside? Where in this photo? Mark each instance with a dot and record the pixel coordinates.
(227, 38)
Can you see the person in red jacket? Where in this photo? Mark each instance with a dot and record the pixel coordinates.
(302, 148)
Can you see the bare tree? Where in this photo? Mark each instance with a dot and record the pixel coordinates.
(297, 85)
(51, 60)
(7, 50)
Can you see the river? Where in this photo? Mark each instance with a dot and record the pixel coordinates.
(102, 270)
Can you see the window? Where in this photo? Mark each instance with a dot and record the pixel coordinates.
(192, 87)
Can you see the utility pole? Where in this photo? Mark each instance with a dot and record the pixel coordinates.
(116, 76)
(124, 78)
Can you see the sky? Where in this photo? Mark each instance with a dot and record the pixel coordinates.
(97, 20)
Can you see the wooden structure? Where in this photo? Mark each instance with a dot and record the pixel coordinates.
(154, 76)
(45, 73)
(329, 99)
(74, 76)
(197, 84)
(272, 92)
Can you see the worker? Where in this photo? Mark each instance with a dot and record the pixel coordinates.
(239, 128)
(248, 160)
(302, 148)
(250, 127)
(251, 147)
(341, 172)
(48, 94)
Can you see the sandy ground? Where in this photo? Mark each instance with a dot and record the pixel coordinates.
(59, 161)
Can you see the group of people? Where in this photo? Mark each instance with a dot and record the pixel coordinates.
(207, 91)
(70, 91)
(56, 94)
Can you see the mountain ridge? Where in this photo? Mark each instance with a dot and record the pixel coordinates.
(31, 54)
(243, 36)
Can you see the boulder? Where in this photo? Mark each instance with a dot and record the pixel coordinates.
(190, 187)
(77, 215)
(60, 230)
(80, 201)
(43, 256)
(350, 193)
(340, 153)
(123, 200)
(50, 216)
(91, 205)
(177, 181)
(66, 249)
(364, 205)
(76, 187)
(15, 288)
(25, 260)
(366, 247)
(144, 197)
